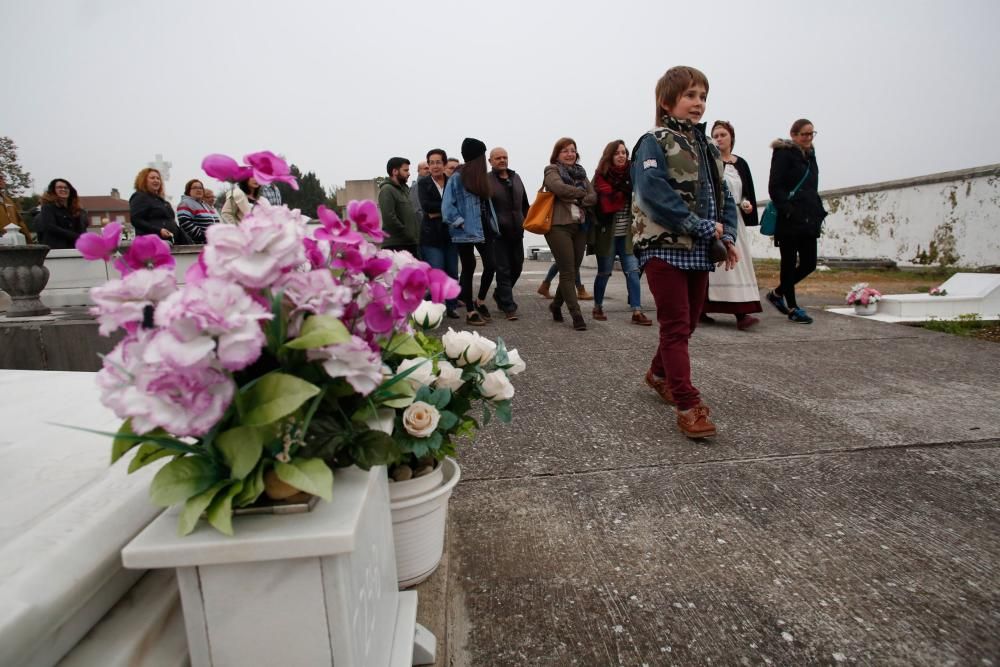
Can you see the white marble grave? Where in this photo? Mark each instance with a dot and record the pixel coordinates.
(968, 293)
(64, 518)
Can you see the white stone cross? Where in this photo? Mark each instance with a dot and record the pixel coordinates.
(162, 167)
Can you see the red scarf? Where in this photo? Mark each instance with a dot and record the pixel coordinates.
(614, 189)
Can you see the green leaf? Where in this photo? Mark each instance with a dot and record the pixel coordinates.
(220, 512)
(320, 331)
(182, 478)
(275, 396)
(500, 358)
(148, 452)
(309, 475)
(121, 445)
(440, 398)
(373, 448)
(424, 394)
(448, 420)
(402, 396)
(253, 486)
(405, 345)
(241, 448)
(503, 411)
(194, 507)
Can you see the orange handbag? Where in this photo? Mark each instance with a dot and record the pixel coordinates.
(539, 218)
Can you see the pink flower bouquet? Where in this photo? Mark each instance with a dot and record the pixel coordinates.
(863, 295)
(288, 350)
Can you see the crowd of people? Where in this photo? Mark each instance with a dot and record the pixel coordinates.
(676, 208)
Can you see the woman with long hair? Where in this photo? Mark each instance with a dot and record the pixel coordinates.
(61, 221)
(735, 292)
(240, 200)
(467, 209)
(612, 235)
(193, 214)
(150, 211)
(794, 189)
(566, 178)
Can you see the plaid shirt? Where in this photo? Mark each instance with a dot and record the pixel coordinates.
(695, 259)
(271, 193)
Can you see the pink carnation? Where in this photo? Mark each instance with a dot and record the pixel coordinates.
(408, 289)
(100, 246)
(257, 251)
(355, 361)
(221, 313)
(365, 215)
(121, 303)
(269, 168)
(146, 252)
(313, 292)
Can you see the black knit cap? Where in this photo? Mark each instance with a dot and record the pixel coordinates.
(472, 148)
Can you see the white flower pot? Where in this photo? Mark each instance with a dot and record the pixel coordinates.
(861, 309)
(419, 510)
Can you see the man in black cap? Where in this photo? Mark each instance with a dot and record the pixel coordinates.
(399, 220)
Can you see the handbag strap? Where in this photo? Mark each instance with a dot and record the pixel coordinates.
(804, 177)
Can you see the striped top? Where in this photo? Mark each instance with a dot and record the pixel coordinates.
(195, 217)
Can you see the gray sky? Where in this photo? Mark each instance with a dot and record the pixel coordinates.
(94, 89)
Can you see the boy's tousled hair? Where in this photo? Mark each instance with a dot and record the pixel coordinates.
(672, 85)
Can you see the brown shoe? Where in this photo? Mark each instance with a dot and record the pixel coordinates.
(694, 423)
(543, 289)
(599, 314)
(659, 385)
(582, 295)
(640, 319)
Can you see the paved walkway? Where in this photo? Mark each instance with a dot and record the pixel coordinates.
(846, 514)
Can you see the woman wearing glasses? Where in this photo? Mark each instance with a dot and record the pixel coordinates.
(61, 221)
(794, 189)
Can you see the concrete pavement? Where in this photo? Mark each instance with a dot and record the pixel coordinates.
(846, 513)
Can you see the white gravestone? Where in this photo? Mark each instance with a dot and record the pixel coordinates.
(309, 589)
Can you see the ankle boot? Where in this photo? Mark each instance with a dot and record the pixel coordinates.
(543, 289)
(582, 295)
(578, 322)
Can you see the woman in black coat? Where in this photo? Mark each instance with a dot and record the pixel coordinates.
(61, 221)
(794, 190)
(151, 213)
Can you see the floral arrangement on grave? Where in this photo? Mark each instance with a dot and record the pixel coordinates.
(863, 295)
(288, 351)
(938, 291)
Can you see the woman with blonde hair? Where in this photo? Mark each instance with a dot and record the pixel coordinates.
(150, 211)
(566, 178)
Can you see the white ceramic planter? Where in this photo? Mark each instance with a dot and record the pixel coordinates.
(298, 589)
(860, 309)
(419, 513)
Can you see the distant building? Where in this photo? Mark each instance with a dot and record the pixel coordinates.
(103, 209)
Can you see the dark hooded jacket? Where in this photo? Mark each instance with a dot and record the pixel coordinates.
(799, 216)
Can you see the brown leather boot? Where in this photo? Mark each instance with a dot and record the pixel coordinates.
(582, 295)
(640, 319)
(599, 314)
(543, 289)
(659, 385)
(694, 423)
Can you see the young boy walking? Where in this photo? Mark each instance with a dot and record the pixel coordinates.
(680, 205)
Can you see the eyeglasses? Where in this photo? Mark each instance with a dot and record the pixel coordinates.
(808, 134)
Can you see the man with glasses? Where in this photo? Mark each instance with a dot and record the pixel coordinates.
(510, 201)
(436, 247)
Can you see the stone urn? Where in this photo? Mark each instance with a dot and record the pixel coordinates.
(23, 275)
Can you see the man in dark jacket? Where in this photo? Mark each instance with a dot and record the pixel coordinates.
(399, 220)
(436, 247)
(511, 204)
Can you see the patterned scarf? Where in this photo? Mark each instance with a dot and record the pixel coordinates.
(574, 175)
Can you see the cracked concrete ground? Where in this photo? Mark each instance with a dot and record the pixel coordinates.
(846, 514)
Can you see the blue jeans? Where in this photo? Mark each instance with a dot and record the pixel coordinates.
(554, 271)
(630, 267)
(446, 259)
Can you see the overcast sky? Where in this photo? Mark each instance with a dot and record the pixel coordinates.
(94, 89)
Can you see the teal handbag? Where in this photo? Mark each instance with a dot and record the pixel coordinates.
(769, 220)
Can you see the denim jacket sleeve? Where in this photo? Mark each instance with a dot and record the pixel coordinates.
(450, 211)
(655, 196)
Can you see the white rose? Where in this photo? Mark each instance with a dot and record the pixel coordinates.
(448, 377)
(456, 343)
(423, 372)
(383, 420)
(481, 351)
(428, 315)
(497, 387)
(517, 364)
(420, 419)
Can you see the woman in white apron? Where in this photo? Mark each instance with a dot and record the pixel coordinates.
(735, 292)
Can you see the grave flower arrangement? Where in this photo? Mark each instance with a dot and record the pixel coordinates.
(863, 295)
(938, 291)
(288, 351)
